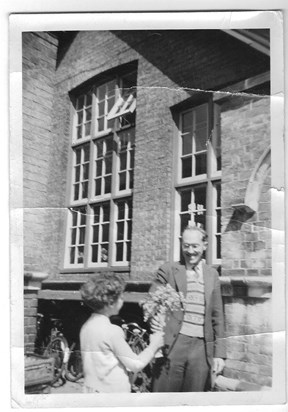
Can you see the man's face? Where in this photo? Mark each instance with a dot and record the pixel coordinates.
(192, 247)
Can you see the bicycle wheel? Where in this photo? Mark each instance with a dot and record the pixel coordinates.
(59, 350)
(74, 370)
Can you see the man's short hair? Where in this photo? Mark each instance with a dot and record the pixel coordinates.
(197, 229)
(101, 290)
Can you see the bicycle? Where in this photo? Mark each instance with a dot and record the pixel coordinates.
(138, 339)
(67, 359)
(73, 367)
(58, 349)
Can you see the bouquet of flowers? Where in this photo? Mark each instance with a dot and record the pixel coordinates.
(164, 299)
(158, 303)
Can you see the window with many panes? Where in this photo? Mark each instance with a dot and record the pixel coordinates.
(99, 222)
(198, 182)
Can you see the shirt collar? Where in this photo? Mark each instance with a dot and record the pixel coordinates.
(198, 269)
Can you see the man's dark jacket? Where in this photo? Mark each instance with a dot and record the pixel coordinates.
(214, 335)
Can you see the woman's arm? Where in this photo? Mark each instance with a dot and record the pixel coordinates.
(127, 357)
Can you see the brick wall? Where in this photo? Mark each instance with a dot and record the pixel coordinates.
(39, 61)
(30, 319)
(161, 79)
(153, 194)
(249, 342)
(246, 239)
(97, 53)
(191, 58)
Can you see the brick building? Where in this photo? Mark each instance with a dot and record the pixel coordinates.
(128, 135)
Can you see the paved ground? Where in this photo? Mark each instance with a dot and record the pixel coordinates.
(69, 387)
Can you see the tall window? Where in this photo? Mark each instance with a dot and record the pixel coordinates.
(198, 183)
(99, 223)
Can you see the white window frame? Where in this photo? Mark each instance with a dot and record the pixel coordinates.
(68, 244)
(93, 200)
(209, 179)
(130, 151)
(102, 195)
(125, 240)
(90, 231)
(75, 118)
(106, 129)
(193, 153)
(80, 199)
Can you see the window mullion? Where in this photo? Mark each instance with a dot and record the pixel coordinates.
(91, 170)
(211, 141)
(179, 151)
(112, 233)
(115, 164)
(103, 171)
(209, 188)
(209, 159)
(127, 174)
(87, 236)
(209, 222)
(100, 233)
(106, 107)
(113, 205)
(125, 234)
(217, 136)
(93, 113)
(194, 144)
(128, 165)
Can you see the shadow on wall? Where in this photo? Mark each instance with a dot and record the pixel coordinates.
(203, 65)
(244, 211)
(240, 215)
(65, 40)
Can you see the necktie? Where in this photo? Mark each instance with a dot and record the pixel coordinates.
(196, 273)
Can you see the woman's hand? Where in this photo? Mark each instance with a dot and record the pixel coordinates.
(157, 340)
(157, 323)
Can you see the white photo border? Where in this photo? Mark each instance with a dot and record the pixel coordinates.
(20, 23)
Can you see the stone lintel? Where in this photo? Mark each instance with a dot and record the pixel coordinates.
(33, 280)
(246, 286)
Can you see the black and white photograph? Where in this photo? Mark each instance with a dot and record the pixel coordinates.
(147, 209)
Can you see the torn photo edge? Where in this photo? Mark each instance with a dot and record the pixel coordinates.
(143, 21)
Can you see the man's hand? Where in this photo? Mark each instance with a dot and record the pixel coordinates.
(218, 365)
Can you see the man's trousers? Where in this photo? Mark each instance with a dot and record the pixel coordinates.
(186, 368)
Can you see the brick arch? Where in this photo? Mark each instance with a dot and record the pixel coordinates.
(256, 180)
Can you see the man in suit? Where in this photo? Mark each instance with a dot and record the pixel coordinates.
(194, 337)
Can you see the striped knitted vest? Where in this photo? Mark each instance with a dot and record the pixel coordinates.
(193, 322)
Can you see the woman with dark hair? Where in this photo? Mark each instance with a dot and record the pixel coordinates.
(106, 355)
